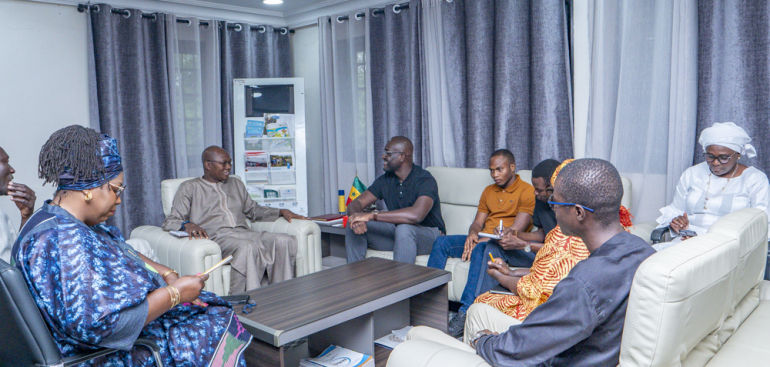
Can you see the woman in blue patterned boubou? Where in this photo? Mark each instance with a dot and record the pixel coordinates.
(94, 290)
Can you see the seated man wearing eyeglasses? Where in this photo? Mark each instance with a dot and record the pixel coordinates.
(413, 219)
(515, 203)
(217, 207)
(581, 324)
(716, 187)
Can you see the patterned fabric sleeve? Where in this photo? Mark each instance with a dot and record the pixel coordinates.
(69, 275)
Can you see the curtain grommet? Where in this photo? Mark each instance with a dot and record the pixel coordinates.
(284, 31)
(261, 29)
(396, 9)
(359, 16)
(188, 23)
(339, 20)
(154, 17)
(238, 27)
(128, 14)
(95, 8)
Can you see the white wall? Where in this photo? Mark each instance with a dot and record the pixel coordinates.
(305, 59)
(44, 76)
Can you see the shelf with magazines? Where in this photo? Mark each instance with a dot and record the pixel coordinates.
(270, 141)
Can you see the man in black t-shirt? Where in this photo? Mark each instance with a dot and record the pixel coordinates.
(413, 220)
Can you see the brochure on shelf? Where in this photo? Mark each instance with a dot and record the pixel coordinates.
(288, 192)
(281, 145)
(256, 144)
(335, 356)
(281, 160)
(393, 339)
(255, 128)
(282, 177)
(257, 177)
(256, 191)
(256, 160)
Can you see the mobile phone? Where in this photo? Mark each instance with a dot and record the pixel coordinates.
(687, 233)
(236, 299)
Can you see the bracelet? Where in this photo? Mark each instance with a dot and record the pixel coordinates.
(169, 271)
(516, 233)
(174, 293)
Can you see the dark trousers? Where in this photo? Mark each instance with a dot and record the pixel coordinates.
(405, 240)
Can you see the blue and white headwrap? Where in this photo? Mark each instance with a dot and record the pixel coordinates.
(108, 149)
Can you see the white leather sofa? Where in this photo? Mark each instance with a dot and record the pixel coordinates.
(195, 256)
(700, 303)
(460, 190)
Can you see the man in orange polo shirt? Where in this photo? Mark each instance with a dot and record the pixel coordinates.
(509, 200)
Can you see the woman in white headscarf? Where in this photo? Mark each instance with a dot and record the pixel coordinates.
(720, 185)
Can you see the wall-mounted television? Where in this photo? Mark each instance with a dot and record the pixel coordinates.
(262, 99)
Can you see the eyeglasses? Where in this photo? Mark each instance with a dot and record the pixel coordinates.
(225, 163)
(119, 190)
(388, 153)
(724, 159)
(552, 203)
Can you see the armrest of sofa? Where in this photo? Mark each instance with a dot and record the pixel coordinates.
(426, 353)
(764, 290)
(308, 235)
(643, 230)
(186, 256)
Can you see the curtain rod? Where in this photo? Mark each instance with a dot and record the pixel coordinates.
(127, 13)
(396, 9)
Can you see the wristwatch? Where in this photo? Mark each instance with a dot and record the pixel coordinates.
(477, 337)
(374, 213)
(528, 247)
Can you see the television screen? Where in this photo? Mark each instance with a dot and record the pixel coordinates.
(261, 99)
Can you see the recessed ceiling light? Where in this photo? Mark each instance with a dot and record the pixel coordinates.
(272, 2)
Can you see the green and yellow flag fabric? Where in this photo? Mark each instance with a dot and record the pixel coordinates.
(355, 191)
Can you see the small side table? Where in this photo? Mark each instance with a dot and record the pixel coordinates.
(333, 246)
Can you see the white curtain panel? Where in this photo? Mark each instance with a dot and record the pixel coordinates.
(194, 78)
(635, 65)
(346, 112)
(436, 90)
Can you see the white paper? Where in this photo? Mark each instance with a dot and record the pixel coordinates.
(393, 339)
(335, 356)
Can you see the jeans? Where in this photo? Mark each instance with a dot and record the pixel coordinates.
(478, 279)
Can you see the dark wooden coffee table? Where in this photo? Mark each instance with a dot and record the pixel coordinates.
(349, 305)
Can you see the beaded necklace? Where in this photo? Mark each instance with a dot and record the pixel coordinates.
(708, 187)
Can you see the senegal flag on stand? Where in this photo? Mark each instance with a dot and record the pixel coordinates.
(356, 190)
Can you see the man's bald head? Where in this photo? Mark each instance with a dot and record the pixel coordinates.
(216, 164)
(402, 144)
(212, 153)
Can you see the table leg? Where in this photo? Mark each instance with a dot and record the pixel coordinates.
(356, 334)
(260, 353)
(431, 308)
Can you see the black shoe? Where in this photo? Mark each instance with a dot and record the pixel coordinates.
(457, 325)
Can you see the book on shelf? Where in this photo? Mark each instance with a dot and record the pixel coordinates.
(335, 356)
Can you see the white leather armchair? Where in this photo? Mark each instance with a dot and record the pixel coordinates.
(195, 256)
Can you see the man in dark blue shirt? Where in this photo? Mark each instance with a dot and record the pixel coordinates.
(413, 220)
(581, 324)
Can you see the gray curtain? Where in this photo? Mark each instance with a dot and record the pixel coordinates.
(396, 80)
(734, 71)
(248, 53)
(509, 75)
(132, 103)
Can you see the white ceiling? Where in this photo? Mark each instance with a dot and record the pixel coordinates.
(288, 6)
(292, 13)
